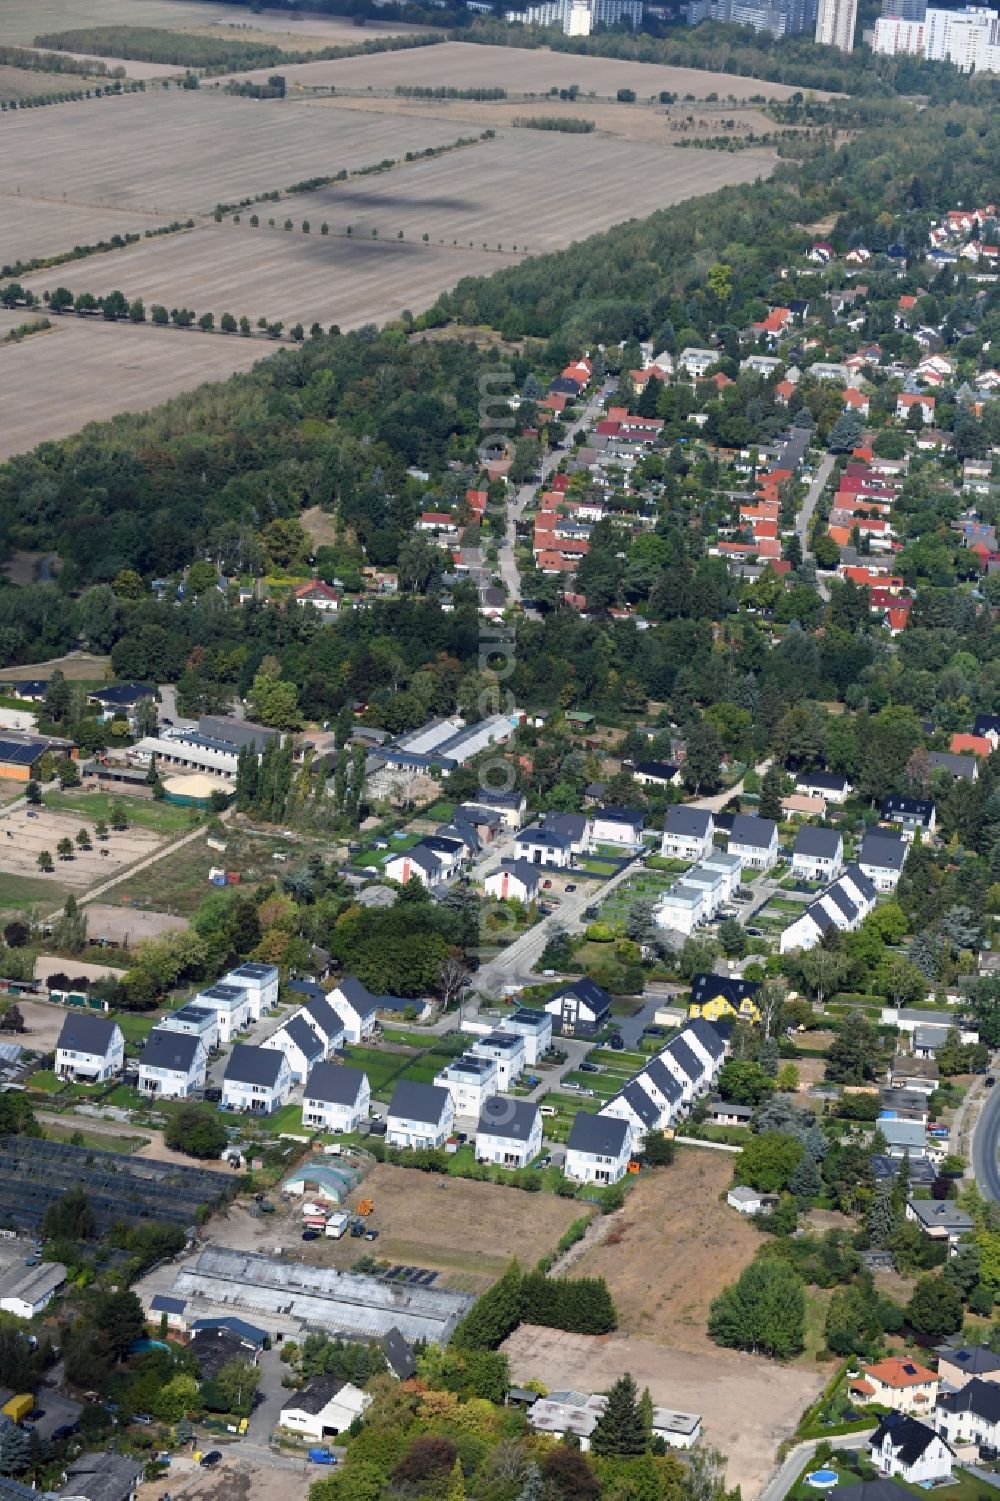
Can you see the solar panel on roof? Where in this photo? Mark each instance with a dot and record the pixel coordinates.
(19, 755)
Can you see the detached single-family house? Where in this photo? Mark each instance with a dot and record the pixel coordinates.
(909, 1073)
(257, 1080)
(335, 1097)
(417, 864)
(720, 997)
(511, 806)
(300, 1043)
(470, 1080)
(260, 981)
(654, 773)
(910, 813)
(509, 1132)
(90, 1049)
(356, 1007)
(420, 1115)
(323, 1408)
(882, 857)
(902, 1384)
(754, 841)
(172, 1064)
(959, 1365)
(903, 1446)
(904, 1138)
(513, 880)
(598, 1149)
(539, 846)
(940, 1220)
(827, 784)
(818, 854)
(580, 1009)
(970, 1415)
(620, 826)
(687, 833)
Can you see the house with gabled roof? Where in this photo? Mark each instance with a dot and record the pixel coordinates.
(356, 1007)
(687, 833)
(598, 1149)
(301, 1044)
(257, 1080)
(882, 857)
(960, 1364)
(579, 1009)
(172, 1065)
(754, 841)
(509, 1131)
(818, 854)
(903, 1446)
(420, 1115)
(970, 1415)
(90, 1048)
(335, 1097)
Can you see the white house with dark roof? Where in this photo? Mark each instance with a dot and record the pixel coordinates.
(755, 841)
(513, 880)
(90, 1048)
(539, 846)
(172, 1064)
(510, 805)
(417, 864)
(335, 1097)
(707, 1044)
(970, 1415)
(579, 1009)
(356, 1007)
(659, 1083)
(687, 833)
(257, 1080)
(817, 854)
(507, 1050)
(325, 1021)
(598, 1149)
(634, 1104)
(905, 1448)
(260, 981)
(830, 785)
(470, 1080)
(620, 826)
(231, 1005)
(534, 1026)
(881, 858)
(910, 813)
(300, 1043)
(509, 1132)
(420, 1115)
(577, 828)
(323, 1408)
(958, 1364)
(841, 907)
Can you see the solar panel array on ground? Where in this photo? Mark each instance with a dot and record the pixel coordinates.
(33, 1173)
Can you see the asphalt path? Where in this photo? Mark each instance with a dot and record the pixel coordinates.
(985, 1144)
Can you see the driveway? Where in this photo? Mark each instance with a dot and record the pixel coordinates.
(270, 1395)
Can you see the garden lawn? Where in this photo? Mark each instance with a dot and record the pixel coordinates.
(144, 813)
(603, 1085)
(383, 1069)
(288, 1118)
(45, 1080)
(135, 1029)
(19, 893)
(962, 1486)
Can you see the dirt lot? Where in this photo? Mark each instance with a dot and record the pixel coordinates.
(77, 666)
(31, 225)
(469, 65)
(166, 168)
(679, 1247)
(240, 1477)
(24, 837)
(469, 1231)
(748, 1406)
(44, 1023)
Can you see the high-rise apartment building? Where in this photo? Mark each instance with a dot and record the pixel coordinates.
(836, 22)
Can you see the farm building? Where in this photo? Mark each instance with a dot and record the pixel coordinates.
(286, 1298)
(19, 759)
(321, 1179)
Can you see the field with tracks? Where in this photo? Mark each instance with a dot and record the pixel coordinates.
(33, 227)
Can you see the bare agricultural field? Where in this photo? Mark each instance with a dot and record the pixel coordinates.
(467, 1231)
(673, 1248)
(767, 1398)
(622, 120)
(23, 20)
(469, 65)
(34, 227)
(27, 83)
(55, 383)
(178, 152)
(519, 191)
(130, 67)
(531, 189)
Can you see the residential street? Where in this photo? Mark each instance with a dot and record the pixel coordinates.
(804, 519)
(985, 1144)
(782, 1481)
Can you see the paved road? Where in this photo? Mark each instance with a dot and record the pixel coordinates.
(985, 1144)
(783, 1479)
(520, 958)
(516, 505)
(804, 519)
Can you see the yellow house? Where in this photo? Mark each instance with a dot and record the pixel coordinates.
(719, 1009)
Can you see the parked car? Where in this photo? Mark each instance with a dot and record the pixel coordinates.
(990, 1081)
(322, 1457)
(571, 886)
(617, 1042)
(211, 1459)
(589, 1068)
(547, 885)
(371, 1234)
(357, 1230)
(310, 1235)
(213, 1094)
(590, 912)
(543, 1162)
(64, 1431)
(142, 1418)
